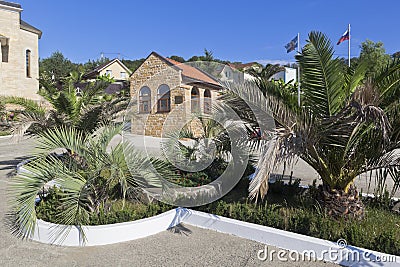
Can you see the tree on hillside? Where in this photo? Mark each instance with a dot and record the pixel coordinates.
(133, 64)
(194, 58)
(92, 64)
(208, 55)
(396, 55)
(178, 58)
(56, 66)
(374, 54)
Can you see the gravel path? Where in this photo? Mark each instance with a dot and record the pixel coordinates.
(195, 247)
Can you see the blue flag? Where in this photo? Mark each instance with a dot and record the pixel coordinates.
(292, 45)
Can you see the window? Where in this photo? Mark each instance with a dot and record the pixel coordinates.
(164, 102)
(207, 101)
(195, 100)
(4, 53)
(123, 74)
(144, 100)
(4, 48)
(178, 99)
(108, 72)
(28, 63)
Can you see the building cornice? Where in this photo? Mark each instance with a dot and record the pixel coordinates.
(10, 6)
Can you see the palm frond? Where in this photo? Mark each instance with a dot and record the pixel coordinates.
(322, 77)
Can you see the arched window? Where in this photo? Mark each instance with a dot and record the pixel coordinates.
(164, 98)
(195, 100)
(207, 101)
(28, 63)
(144, 100)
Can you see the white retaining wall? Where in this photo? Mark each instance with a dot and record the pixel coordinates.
(120, 232)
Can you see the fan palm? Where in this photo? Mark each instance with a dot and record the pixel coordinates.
(347, 124)
(85, 110)
(90, 173)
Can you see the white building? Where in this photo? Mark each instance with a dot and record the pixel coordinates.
(236, 72)
(288, 75)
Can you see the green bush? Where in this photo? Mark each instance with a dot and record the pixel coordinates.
(192, 179)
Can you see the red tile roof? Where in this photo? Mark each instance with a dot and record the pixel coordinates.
(193, 72)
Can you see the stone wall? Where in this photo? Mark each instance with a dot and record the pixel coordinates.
(13, 78)
(153, 73)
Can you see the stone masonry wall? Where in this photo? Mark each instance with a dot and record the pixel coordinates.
(153, 73)
(13, 79)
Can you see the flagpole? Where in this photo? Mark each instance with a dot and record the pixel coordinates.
(349, 44)
(298, 70)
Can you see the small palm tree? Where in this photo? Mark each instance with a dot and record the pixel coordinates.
(266, 72)
(203, 134)
(85, 110)
(347, 125)
(91, 173)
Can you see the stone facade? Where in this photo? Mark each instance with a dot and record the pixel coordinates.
(19, 43)
(153, 73)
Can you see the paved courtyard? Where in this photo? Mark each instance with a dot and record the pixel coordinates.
(301, 170)
(197, 247)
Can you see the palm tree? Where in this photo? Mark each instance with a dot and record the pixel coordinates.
(207, 139)
(90, 174)
(85, 109)
(347, 125)
(266, 72)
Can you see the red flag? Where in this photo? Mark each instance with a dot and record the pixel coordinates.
(345, 36)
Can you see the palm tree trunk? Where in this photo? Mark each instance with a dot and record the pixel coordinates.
(341, 204)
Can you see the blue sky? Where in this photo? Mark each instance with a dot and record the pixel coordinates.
(234, 30)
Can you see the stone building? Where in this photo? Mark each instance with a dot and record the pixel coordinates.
(166, 92)
(19, 53)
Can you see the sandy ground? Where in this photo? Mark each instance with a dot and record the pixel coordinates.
(194, 247)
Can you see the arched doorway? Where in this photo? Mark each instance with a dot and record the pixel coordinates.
(207, 101)
(195, 100)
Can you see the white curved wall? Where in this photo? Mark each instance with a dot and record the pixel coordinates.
(120, 232)
(106, 234)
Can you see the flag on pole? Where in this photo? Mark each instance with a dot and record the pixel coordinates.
(292, 45)
(344, 37)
